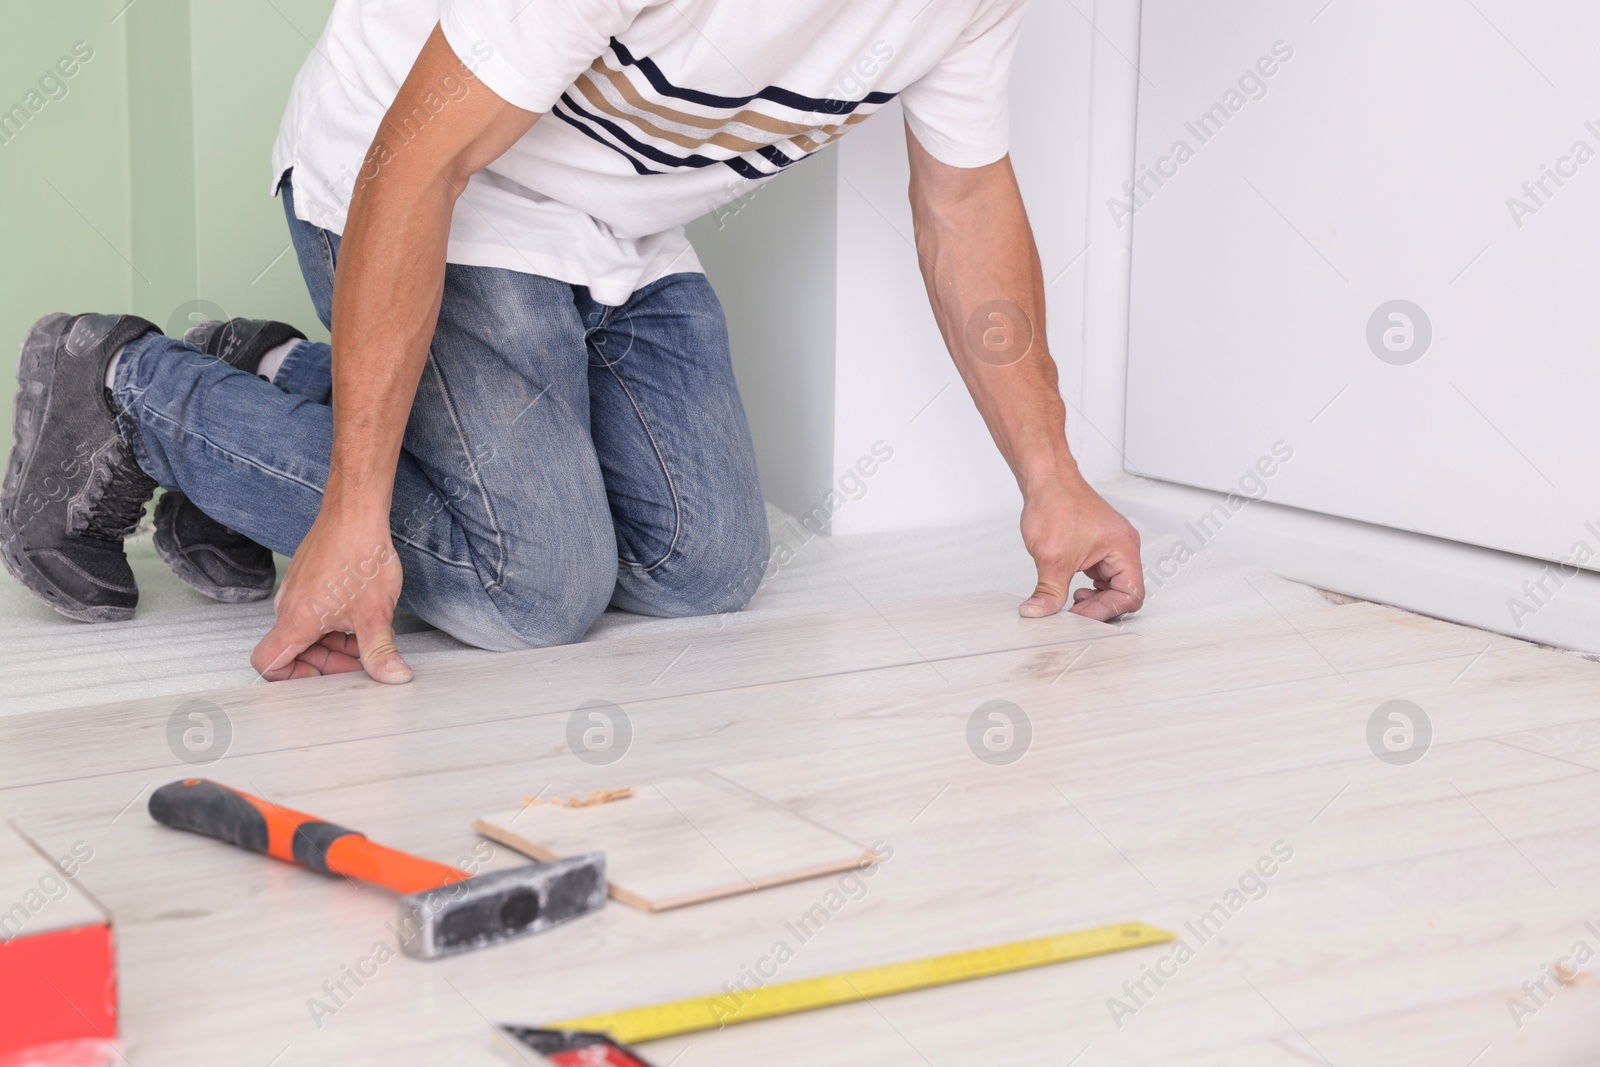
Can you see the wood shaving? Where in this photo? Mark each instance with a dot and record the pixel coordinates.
(599, 796)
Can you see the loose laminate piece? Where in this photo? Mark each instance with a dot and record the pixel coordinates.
(681, 841)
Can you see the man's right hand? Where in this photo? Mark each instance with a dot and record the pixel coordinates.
(336, 607)
(335, 611)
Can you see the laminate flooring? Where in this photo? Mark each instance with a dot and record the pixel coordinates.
(179, 642)
(1341, 903)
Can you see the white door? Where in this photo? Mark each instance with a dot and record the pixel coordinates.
(1366, 262)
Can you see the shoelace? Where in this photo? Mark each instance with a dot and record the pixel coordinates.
(114, 495)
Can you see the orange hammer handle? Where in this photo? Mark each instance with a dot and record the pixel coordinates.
(207, 807)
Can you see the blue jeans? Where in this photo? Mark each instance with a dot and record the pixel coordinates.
(561, 454)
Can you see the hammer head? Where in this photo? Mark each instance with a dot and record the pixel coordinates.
(500, 905)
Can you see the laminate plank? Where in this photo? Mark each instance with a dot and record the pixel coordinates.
(35, 896)
(505, 688)
(680, 841)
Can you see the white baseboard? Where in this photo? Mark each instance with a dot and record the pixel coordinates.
(1445, 579)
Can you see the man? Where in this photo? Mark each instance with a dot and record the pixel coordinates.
(531, 413)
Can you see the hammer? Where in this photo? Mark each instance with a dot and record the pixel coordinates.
(443, 910)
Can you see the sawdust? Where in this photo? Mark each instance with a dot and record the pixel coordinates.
(1571, 975)
(599, 796)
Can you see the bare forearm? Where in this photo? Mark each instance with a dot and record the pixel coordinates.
(987, 290)
(390, 280)
(982, 271)
(386, 303)
(386, 296)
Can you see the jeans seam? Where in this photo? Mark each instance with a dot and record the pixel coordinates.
(498, 579)
(151, 413)
(666, 472)
(430, 553)
(327, 251)
(605, 320)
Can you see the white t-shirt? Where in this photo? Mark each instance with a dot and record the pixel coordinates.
(656, 111)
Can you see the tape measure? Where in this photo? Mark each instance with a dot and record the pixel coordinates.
(787, 998)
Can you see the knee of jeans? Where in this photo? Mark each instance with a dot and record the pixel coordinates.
(558, 600)
(708, 573)
(736, 581)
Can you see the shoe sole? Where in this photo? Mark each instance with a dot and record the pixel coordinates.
(27, 414)
(197, 579)
(41, 587)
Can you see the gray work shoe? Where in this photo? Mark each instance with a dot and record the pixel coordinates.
(73, 490)
(218, 561)
(241, 342)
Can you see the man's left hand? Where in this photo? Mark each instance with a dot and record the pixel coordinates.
(1068, 529)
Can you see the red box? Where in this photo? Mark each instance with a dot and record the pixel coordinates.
(58, 979)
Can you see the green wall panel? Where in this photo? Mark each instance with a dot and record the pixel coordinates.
(64, 197)
(161, 178)
(140, 182)
(244, 260)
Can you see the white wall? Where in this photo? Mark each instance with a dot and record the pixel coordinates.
(836, 349)
(781, 310)
(1097, 391)
(894, 379)
(1355, 179)
(1377, 167)
(1076, 96)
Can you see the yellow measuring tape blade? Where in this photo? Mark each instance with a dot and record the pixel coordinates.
(787, 998)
